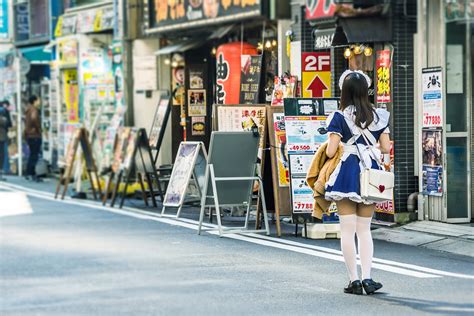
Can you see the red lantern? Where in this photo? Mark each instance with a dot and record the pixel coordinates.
(228, 59)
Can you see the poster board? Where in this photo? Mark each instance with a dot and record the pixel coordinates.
(158, 127)
(239, 150)
(232, 186)
(80, 137)
(305, 125)
(189, 155)
(133, 155)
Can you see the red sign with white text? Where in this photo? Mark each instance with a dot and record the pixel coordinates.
(317, 9)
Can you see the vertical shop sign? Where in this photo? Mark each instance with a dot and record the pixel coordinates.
(251, 71)
(281, 152)
(316, 75)
(22, 22)
(71, 95)
(317, 9)
(40, 19)
(117, 68)
(383, 70)
(432, 93)
(4, 21)
(432, 160)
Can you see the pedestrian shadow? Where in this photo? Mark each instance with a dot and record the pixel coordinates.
(433, 307)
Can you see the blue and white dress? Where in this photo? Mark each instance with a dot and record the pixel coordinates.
(344, 182)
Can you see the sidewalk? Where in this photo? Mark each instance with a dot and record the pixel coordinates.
(450, 238)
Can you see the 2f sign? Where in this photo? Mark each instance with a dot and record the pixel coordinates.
(316, 62)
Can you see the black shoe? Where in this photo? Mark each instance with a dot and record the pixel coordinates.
(370, 286)
(354, 288)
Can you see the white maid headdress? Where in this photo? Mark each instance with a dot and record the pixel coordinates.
(348, 72)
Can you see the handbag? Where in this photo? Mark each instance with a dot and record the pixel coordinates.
(375, 184)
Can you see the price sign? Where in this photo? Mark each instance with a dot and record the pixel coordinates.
(432, 103)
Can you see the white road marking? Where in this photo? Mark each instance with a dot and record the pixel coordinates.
(14, 203)
(317, 251)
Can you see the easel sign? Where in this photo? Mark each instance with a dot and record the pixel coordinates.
(189, 164)
(230, 176)
(160, 120)
(136, 155)
(279, 162)
(80, 136)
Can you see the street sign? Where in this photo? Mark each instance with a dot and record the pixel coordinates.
(316, 75)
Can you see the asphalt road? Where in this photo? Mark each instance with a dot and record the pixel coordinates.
(69, 258)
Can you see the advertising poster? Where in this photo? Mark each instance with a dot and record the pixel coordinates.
(432, 159)
(251, 71)
(283, 88)
(68, 51)
(243, 118)
(177, 80)
(305, 133)
(299, 164)
(182, 169)
(71, 95)
(197, 102)
(158, 121)
(198, 125)
(301, 196)
(281, 153)
(330, 106)
(145, 73)
(316, 75)
(196, 79)
(432, 104)
(383, 68)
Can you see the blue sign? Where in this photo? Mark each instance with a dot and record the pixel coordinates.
(22, 22)
(4, 19)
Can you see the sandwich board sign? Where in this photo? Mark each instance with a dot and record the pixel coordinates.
(190, 163)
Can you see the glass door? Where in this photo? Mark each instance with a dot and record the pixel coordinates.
(458, 110)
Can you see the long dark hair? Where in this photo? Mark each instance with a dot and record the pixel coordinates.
(355, 91)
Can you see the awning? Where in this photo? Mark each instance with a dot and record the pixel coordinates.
(362, 30)
(36, 54)
(179, 47)
(185, 45)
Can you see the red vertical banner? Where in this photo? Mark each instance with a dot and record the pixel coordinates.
(383, 76)
(317, 9)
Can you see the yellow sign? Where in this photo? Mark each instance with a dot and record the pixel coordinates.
(98, 21)
(71, 95)
(59, 25)
(316, 84)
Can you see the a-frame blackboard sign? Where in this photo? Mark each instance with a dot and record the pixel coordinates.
(134, 155)
(80, 137)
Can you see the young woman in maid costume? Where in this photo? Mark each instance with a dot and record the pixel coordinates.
(356, 116)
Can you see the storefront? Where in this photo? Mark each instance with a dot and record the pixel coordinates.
(88, 79)
(333, 38)
(201, 44)
(444, 126)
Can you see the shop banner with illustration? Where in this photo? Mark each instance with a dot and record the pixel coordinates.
(168, 14)
(305, 132)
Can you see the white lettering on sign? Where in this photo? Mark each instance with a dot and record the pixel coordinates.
(317, 63)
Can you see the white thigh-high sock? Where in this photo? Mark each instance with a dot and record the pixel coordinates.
(348, 229)
(366, 245)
